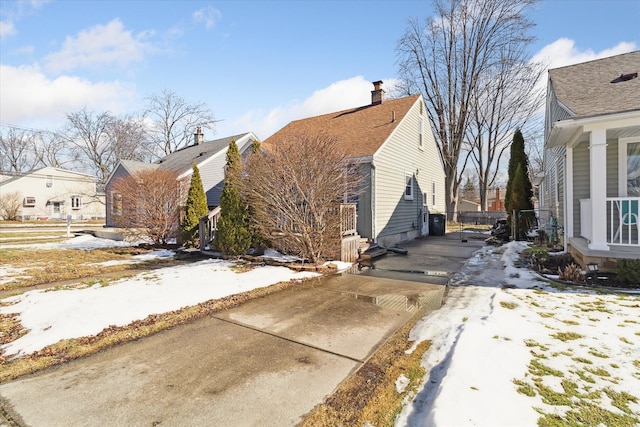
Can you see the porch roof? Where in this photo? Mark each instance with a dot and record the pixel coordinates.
(574, 130)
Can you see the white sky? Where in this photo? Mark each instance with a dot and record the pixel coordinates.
(479, 347)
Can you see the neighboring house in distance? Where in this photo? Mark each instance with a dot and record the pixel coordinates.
(468, 206)
(591, 178)
(210, 157)
(54, 193)
(495, 200)
(392, 144)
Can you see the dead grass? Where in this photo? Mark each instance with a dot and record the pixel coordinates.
(70, 349)
(370, 394)
(50, 266)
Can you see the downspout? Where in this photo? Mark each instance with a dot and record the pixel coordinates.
(373, 201)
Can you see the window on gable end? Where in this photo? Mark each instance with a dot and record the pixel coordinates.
(420, 127)
(408, 188)
(433, 193)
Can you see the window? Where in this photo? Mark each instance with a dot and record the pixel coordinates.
(433, 193)
(116, 203)
(633, 169)
(408, 188)
(76, 202)
(420, 133)
(29, 202)
(49, 181)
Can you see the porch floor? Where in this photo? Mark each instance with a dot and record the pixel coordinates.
(578, 247)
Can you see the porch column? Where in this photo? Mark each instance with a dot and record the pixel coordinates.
(598, 186)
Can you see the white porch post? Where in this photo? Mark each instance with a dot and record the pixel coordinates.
(598, 177)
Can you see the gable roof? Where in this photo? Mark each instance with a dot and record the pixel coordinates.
(587, 90)
(7, 177)
(359, 131)
(182, 160)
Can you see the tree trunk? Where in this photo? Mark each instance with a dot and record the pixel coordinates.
(451, 194)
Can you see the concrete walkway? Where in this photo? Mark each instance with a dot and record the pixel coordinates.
(265, 363)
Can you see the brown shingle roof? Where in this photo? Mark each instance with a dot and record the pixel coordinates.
(360, 131)
(586, 88)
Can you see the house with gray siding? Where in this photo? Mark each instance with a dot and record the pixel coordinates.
(209, 156)
(392, 143)
(591, 173)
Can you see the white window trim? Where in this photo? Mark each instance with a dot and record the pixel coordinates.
(76, 206)
(433, 194)
(420, 134)
(114, 200)
(29, 201)
(622, 163)
(408, 179)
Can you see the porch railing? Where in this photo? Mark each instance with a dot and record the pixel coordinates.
(207, 228)
(623, 216)
(348, 219)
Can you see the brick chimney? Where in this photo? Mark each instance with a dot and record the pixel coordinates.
(198, 137)
(377, 94)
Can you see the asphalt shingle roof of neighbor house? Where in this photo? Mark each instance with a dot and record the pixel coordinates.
(360, 131)
(587, 90)
(183, 159)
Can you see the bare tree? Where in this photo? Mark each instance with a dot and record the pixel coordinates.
(127, 136)
(174, 121)
(505, 100)
(89, 135)
(53, 151)
(10, 206)
(295, 189)
(446, 57)
(148, 205)
(18, 150)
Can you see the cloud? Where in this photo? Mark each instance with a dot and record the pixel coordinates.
(7, 29)
(102, 45)
(340, 95)
(209, 15)
(563, 52)
(30, 98)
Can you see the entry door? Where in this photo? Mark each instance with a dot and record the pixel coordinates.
(425, 215)
(56, 209)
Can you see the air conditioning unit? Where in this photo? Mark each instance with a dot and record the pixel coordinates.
(29, 202)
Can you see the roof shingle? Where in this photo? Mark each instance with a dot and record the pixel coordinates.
(586, 88)
(359, 131)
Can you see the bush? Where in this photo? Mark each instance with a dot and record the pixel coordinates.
(10, 206)
(195, 208)
(572, 273)
(628, 271)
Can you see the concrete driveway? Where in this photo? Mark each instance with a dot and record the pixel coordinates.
(265, 363)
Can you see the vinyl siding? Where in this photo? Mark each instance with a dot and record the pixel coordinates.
(120, 172)
(64, 185)
(212, 173)
(581, 182)
(364, 202)
(398, 219)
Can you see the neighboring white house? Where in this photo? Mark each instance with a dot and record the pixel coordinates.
(210, 157)
(591, 178)
(392, 142)
(54, 193)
